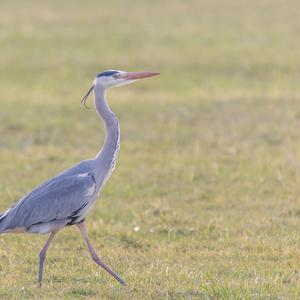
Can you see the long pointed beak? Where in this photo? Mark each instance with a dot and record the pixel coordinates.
(139, 75)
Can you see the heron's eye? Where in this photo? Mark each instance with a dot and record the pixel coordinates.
(117, 75)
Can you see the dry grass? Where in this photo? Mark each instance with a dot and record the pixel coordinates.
(209, 163)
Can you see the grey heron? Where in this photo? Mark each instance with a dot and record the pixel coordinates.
(65, 199)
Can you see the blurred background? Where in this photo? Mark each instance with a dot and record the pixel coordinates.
(204, 202)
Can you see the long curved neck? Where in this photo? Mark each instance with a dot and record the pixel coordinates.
(105, 159)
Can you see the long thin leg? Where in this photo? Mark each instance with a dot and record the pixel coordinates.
(43, 255)
(94, 256)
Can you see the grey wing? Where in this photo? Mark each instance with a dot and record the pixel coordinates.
(59, 198)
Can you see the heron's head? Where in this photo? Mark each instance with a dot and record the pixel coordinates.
(114, 78)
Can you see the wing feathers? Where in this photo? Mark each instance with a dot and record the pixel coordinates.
(56, 199)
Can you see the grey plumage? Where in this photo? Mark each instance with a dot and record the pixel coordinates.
(58, 201)
(65, 199)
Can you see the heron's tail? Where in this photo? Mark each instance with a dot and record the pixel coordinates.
(3, 220)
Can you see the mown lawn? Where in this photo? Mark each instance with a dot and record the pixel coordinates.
(205, 199)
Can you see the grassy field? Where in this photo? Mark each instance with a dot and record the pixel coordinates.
(205, 199)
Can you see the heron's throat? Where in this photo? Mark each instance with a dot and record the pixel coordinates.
(106, 158)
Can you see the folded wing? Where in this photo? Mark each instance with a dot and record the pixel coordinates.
(60, 198)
